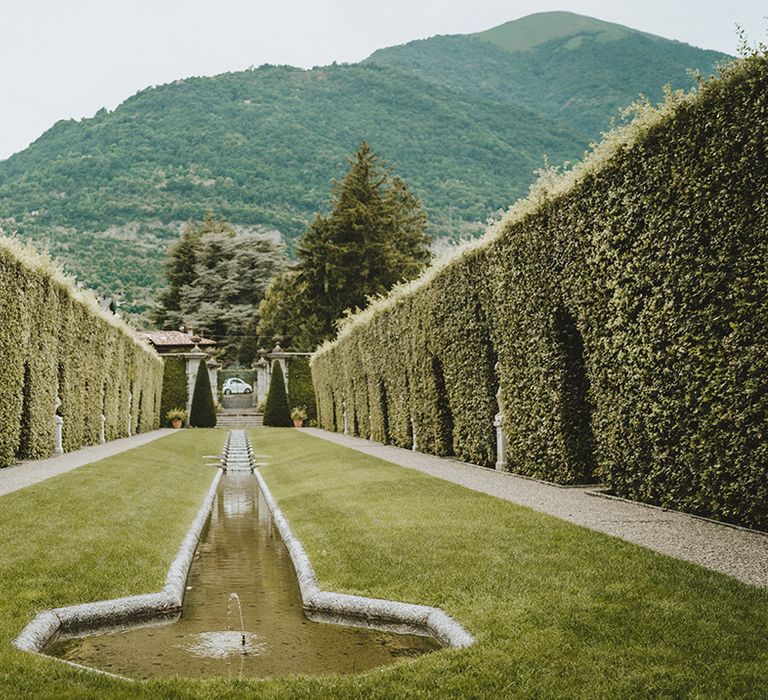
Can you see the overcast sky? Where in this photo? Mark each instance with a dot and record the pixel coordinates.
(67, 58)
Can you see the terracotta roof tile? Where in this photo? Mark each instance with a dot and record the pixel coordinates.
(165, 338)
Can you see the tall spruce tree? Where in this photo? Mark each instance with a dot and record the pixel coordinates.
(374, 237)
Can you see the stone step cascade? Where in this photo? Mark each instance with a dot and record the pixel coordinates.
(238, 453)
(239, 420)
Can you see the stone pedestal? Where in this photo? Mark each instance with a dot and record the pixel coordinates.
(58, 435)
(501, 442)
(501, 438)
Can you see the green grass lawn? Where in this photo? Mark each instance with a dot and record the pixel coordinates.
(558, 611)
(105, 530)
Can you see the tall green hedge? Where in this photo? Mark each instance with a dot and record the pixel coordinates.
(54, 340)
(174, 385)
(625, 305)
(301, 391)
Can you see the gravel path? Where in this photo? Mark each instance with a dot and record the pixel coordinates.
(740, 553)
(33, 471)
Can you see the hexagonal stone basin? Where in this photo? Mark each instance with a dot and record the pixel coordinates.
(240, 553)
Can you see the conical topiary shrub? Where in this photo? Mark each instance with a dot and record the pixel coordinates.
(203, 412)
(276, 413)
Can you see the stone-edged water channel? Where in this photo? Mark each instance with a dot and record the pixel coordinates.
(240, 553)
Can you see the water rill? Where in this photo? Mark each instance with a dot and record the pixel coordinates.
(242, 613)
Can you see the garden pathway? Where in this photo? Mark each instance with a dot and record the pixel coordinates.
(736, 552)
(31, 472)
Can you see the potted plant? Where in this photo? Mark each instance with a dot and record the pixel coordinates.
(177, 416)
(298, 415)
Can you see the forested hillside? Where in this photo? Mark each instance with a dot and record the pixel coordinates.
(466, 120)
(261, 147)
(577, 70)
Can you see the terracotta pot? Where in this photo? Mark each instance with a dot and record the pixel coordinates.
(298, 422)
(176, 423)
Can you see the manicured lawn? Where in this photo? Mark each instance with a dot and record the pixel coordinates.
(105, 530)
(558, 611)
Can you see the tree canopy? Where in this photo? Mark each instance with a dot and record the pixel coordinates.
(374, 237)
(216, 278)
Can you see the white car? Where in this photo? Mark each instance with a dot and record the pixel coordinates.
(236, 386)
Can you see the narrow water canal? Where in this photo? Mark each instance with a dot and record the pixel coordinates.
(241, 553)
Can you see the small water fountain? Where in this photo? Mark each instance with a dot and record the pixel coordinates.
(236, 598)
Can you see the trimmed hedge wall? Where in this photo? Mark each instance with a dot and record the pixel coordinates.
(174, 386)
(626, 304)
(301, 392)
(55, 340)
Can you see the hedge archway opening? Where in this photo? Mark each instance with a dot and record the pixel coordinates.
(444, 441)
(575, 406)
(384, 411)
(25, 434)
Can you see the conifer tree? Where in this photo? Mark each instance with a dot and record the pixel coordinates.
(276, 413)
(374, 237)
(203, 411)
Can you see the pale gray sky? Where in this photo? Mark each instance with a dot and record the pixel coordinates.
(67, 58)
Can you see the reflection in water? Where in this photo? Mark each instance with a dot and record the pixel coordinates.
(241, 553)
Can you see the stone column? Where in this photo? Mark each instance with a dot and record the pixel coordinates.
(415, 445)
(261, 385)
(102, 429)
(193, 359)
(346, 423)
(213, 375)
(282, 357)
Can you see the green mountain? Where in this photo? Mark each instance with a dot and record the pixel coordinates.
(577, 70)
(465, 120)
(260, 148)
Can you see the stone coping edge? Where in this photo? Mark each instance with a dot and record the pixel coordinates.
(372, 612)
(38, 633)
